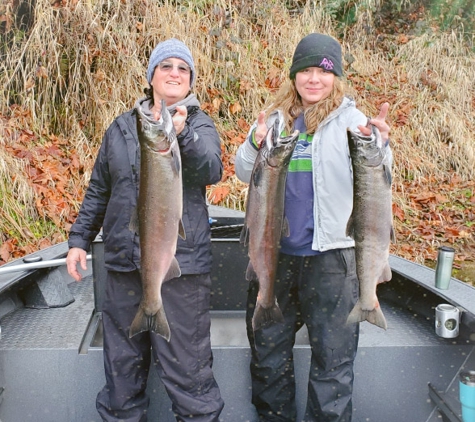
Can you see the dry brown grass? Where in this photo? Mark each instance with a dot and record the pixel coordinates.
(17, 199)
(440, 73)
(83, 63)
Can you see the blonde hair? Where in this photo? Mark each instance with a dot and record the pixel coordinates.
(288, 100)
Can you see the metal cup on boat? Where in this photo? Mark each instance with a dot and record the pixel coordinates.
(447, 319)
(443, 271)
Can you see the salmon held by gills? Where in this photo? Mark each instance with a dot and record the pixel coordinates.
(159, 213)
(264, 222)
(370, 223)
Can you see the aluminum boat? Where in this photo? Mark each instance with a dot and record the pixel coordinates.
(51, 365)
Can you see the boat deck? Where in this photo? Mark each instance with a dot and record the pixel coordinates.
(65, 327)
(51, 359)
(392, 370)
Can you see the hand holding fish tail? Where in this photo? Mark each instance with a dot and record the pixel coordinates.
(379, 122)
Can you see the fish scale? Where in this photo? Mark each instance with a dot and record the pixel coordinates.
(264, 222)
(158, 217)
(370, 223)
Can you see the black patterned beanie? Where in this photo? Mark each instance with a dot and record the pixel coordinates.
(317, 50)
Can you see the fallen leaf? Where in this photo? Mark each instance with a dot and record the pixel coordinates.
(218, 193)
(235, 108)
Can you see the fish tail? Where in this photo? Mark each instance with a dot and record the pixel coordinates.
(157, 323)
(266, 316)
(374, 316)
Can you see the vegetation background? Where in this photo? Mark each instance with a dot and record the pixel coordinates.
(69, 67)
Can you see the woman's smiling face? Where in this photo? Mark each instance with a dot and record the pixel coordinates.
(314, 84)
(171, 81)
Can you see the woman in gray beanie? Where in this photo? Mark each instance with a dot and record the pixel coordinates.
(184, 363)
(316, 282)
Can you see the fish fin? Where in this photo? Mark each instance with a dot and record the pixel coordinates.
(250, 273)
(393, 234)
(157, 323)
(266, 316)
(387, 173)
(285, 227)
(181, 230)
(174, 270)
(386, 275)
(244, 238)
(350, 229)
(176, 163)
(374, 316)
(134, 221)
(257, 173)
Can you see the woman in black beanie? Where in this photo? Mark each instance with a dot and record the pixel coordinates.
(316, 281)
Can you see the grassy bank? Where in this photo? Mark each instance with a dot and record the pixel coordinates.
(70, 67)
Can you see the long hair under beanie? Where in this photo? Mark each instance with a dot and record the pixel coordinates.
(167, 49)
(317, 50)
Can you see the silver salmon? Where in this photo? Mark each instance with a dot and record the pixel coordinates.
(371, 223)
(264, 222)
(159, 213)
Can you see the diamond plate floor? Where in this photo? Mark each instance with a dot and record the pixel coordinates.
(404, 329)
(64, 328)
(53, 328)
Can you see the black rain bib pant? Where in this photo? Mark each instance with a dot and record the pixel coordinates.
(318, 291)
(184, 364)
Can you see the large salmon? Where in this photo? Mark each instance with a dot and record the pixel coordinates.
(264, 222)
(159, 213)
(370, 223)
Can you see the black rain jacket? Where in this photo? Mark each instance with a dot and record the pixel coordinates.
(112, 194)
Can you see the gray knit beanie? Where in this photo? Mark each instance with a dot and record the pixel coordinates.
(167, 49)
(317, 50)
